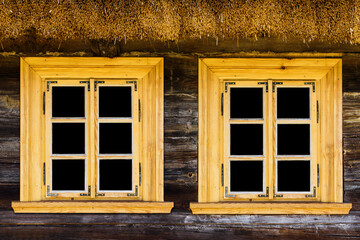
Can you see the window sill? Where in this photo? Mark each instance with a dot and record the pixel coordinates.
(91, 207)
(270, 208)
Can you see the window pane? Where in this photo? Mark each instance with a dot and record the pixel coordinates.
(115, 174)
(115, 101)
(246, 102)
(246, 139)
(293, 102)
(68, 138)
(68, 101)
(115, 138)
(293, 176)
(293, 139)
(246, 176)
(68, 175)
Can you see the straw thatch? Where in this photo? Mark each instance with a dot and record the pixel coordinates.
(336, 21)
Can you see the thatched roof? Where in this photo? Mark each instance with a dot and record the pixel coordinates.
(336, 21)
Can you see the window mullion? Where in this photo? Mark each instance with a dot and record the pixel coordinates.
(270, 137)
(92, 123)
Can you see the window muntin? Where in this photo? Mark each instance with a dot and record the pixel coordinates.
(94, 140)
(289, 137)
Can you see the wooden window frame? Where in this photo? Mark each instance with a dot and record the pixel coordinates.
(92, 155)
(35, 71)
(269, 156)
(213, 73)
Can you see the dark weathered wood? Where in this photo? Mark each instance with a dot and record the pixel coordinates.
(351, 115)
(352, 194)
(180, 154)
(351, 73)
(175, 231)
(10, 150)
(9, 173)
(352, 170)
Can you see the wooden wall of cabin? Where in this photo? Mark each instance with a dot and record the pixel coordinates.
(181, 138)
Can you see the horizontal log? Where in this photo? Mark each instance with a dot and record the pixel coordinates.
(9, 173)
(180, 144)
(10, 83)
(351, 114)
(351, 148)
(10, 150)
(180, 73)
(8, 193)
(182, 224)
(180, 105)
(10, 106)
(352, 170)
(11, 193)
(351, 73)
(352, 193)
(152, 230)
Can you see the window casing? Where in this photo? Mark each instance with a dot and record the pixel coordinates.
(321, 161)
(91, 133)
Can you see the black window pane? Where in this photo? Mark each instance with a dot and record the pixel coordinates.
(246, 103)
(293, 176)
(68, 101)
(293, 139)
(115, 138)
(293, 103)
(68, 175)
(68, 138)
(246, 176)
(246, 139)
(115, 101)
(115, 175)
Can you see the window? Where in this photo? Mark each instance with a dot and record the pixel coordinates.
(104, 127)
(270, 137)
(270, 140)
(92, 131)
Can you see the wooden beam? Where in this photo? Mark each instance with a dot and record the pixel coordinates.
(270, 208)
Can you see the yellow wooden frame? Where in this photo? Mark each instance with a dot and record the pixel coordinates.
(149, 74)
(213, 73)
(92, 156)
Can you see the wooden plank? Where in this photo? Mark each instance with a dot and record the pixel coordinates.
(174, 231)
(325, 159)
(8, 217)
(83, 62)
(180, 104)
(270, 208)
(10, 82)
(159, 131)
(338, 139)
(277, 74)
(351, 115)
(202, 146)
(274, 63)
(9, 173)
(10, 150)
(213, 139)
(100, 73)
(24, 130)
(35, 132)
(91, 207)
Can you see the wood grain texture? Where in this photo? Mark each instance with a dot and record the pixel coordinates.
(91, 207)
(180, 151)
(270, 208)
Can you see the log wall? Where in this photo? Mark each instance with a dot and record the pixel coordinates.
(181, 138)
